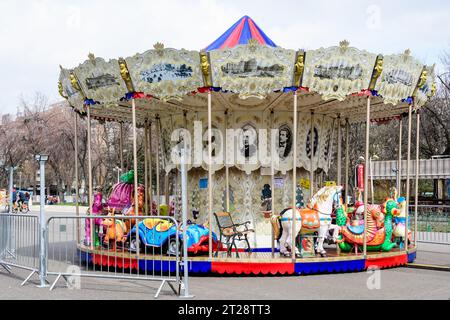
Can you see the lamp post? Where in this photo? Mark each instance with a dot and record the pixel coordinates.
(42, 158)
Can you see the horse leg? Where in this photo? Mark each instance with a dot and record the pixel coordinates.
(322, 233)
(283, 249)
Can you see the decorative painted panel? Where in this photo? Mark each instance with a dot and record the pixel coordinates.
(101, 80)
(252, 70)
(166, 73)
(399, 77)
(336, 72)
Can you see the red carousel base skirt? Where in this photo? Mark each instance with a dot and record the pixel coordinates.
(256, 263)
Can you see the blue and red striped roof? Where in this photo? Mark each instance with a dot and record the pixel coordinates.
(240, 33)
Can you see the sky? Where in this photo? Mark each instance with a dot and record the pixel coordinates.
(36, 36)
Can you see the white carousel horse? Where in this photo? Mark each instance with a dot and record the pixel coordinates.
(315, 217)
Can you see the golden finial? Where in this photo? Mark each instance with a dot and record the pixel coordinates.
(344, 44)
(252, 44)
(422, 80)
(91, 57)
(406, 54)
(204, 65)
(433, 90)
(74, 81)
(298, 68)
(377, 70)
(125, 74)
(159, 47)
(61, 90)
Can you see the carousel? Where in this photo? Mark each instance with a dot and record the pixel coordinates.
(253, 127)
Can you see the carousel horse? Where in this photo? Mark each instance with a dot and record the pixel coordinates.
(379, 228)
(315, 217)
(97, 209)
(400, 228)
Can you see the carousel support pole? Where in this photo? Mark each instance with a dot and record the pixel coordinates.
(146, 167)
(294, 176)
(121, 147)
(158, 193)
(227, 169)
(399, 162)
(135, 168)
(366, 172)
(272, 176)
(166, 188)
(210, 186)
(90, 174)
(150, 169)
(339, 151)
(347, 160)
(411, 106)
(77, 188)
(416, 199)
(311, 170)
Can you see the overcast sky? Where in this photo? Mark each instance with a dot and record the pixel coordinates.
(38, 35)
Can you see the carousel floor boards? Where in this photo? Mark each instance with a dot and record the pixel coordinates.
(256, 263)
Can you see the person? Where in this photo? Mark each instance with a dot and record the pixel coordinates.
(14, 197)
(21, 199)
(285, 143)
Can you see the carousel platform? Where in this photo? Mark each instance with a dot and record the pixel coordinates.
(255, 263)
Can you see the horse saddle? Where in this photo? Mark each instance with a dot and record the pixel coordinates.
(356, 229)
(310, 219)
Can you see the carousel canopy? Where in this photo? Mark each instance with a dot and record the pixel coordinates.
(248, 73)
(240, 33)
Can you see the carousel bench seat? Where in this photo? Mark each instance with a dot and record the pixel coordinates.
(231, 232)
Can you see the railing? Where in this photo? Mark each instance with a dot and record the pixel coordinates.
(433, 223)
(118, 247)
(428, 169)
(19, 242)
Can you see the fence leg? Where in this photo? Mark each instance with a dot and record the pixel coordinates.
(54, 283)
(6, 267)
(28, 278)
(159, 289)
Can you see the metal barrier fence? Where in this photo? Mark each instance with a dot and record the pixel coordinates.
(433, 223)
(110, 247)
(19, 242)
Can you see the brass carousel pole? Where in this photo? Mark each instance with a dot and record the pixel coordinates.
(150, 171)
(90, 174)
(210, 187)
(347, 160)
(77, 188)
(366, 172)
(311, 170)
(158, 194)
(416, 199)
(135, 166)
(339, 151)
(294, 176)
(399, 161)
(411, 106)
(227, 169)
(272, 176)
(146, 167)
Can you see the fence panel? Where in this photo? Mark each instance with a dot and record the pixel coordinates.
(433, 224)
(19, 242)
(106, 247)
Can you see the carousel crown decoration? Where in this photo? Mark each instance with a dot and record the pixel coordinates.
(206, 68)
(61, 90)
(74, 81)
(406, 55)
(299, 67)
(253, 44)
(159, 47)
(422, 80)
(91, 57)
(125, 74)
(377, 70)
(344, 44)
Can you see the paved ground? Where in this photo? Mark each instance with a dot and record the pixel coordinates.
(398, 283)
